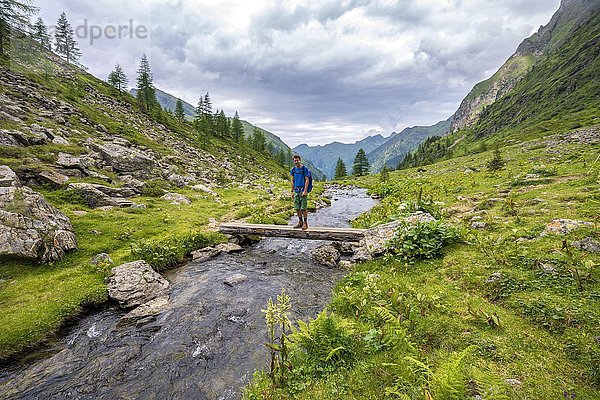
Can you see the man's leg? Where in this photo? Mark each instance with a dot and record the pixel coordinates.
(299, 224)
(305, 224)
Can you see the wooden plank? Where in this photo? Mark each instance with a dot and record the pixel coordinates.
(316, 233)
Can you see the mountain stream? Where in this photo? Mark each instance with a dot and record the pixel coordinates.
(209, 340)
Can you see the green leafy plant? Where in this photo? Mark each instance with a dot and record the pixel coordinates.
(278, 327)
(422, 239)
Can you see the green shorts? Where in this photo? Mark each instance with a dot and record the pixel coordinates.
(300, 202)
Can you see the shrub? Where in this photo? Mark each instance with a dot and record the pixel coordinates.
(422, 240)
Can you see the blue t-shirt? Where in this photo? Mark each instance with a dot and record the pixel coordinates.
(299, 176)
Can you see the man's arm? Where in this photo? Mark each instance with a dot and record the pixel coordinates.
(305, 186)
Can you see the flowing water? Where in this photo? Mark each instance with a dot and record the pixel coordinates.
(209, 340)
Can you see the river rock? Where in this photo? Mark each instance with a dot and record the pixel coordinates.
(145, 313)
(326, 255)
(135, 283)
(235, 279)
(127, 160)
(31, 228)
(229, 247)
(205, 254)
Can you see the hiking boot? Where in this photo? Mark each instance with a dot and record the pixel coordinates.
(304, 226)
(298, 225)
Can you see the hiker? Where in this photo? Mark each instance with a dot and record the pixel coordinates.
(301, 185)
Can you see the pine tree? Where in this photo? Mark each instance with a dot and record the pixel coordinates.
(259, 141)
(496, 162)
(118, 79)
(340, 169)
(199, 109)
(65, 43)
(237, 129)
(384, 174)
(179, 112)
(361, 164)
(14, 15)
(146, 94)
(221, 123)
(40, 34)
(207, 112)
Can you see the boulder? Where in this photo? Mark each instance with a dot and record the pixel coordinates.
(229, 247)
(145, 313)
(205, 254)
(93, 197)
(135, 283)
(69, 161)
(123, 159)
(326, 255)
(54, 177)
(176, 198)
(31, 228)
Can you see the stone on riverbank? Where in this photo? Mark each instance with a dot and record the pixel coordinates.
(135, 283)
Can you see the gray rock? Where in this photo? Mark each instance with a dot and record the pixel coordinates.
(204, 254)
(235, 279)
(127, 160)
(176, 198)
(93, 197)
(201, 188)
(31, 228)
(101, 259)
(61, 141)
(563, 226)
(588, 244)
(136, 283)
(69, 161)
(145, 313)
(495, 277)
(6, 139)
(54, 177)
(478, 225)
(326, 255)
(229, 247)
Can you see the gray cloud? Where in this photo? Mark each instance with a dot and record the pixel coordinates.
(316, 71)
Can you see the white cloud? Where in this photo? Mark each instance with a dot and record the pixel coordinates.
(314, 71)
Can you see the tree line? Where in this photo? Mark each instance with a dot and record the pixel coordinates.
(360, 166)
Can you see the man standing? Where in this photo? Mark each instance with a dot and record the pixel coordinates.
(300, 182)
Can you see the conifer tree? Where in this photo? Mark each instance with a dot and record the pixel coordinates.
(237, 129)
(221, 124)
(340, 169)
(496, 162)
(65, 44)
(289, 158)
(146, 94)
(40, 34)
(118, 79)
(384, 174)
(199, 109)
(179, 112)
(259, 141)
(14, 15)
(361, 164)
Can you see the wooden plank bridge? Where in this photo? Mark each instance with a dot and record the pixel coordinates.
(316, 233)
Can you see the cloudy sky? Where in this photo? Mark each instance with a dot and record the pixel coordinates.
(309, 71)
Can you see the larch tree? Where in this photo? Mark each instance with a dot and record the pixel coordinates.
(179, 112)
(64, 40)
(361, 164)
(14, 17)
(118, 79)
(237, 129)
(40, 34)
(146, 94)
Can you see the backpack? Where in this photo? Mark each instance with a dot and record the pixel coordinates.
(310, 183)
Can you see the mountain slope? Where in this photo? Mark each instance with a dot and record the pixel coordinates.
(325, 157)
(570, 15)
(394, 150)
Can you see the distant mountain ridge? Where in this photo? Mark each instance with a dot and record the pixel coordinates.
(325, 157)
(393, 151)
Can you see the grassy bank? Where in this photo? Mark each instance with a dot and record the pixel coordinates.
(507, 312)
